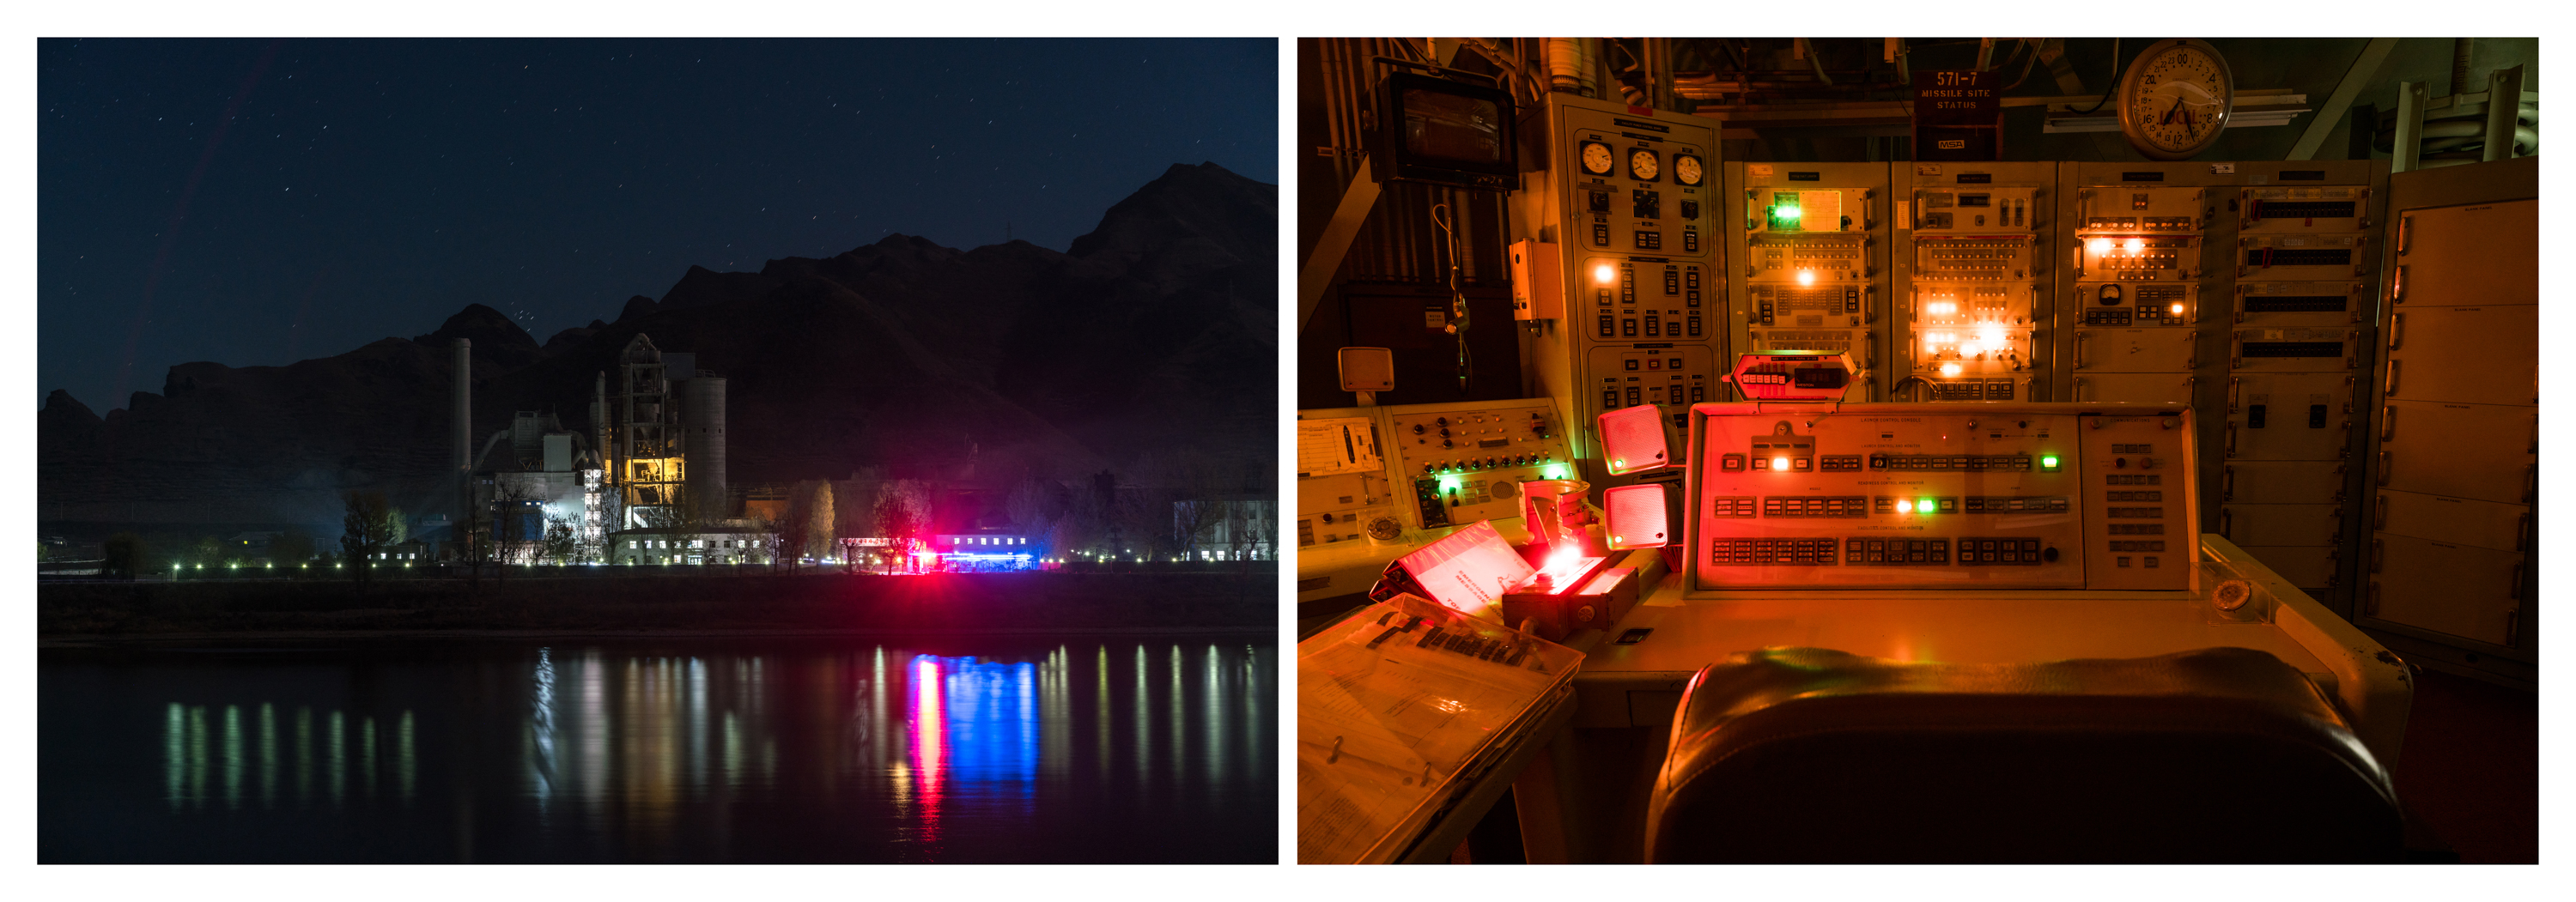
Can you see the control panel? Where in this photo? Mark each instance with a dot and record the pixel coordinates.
(1809, 270)
(1637, 211)
(1975, 278)
(1463, 462)
(1343, 494)
(2133, 305)
(1932, 496)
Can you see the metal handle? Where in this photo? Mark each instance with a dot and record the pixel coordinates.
(2192, 362)
(2396, 330)
(2382, 477)
(2521, 528)
(2235, 387)
(2079, 350)
(2231, 438)
(2405, 229)
(2227, 482)
(2080, 386)
(2379, 512)
(2390, 390)
(2397, 286)
(2378, 552)
(2226, 524)
(2387, 422)
(2530, 481)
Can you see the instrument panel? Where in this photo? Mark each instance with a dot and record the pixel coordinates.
(1938, 496)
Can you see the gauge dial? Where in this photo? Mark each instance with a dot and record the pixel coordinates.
(2175, 99)
(1686, 169)
(1642, 165)
(1596, 158)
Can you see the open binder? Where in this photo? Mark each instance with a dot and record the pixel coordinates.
(1401, 709)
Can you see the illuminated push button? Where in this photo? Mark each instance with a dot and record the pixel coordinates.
(1762, 463)
(1904, 506)
(1731, 463)
(1803, 463)
(2048, 463)
(1779, 463)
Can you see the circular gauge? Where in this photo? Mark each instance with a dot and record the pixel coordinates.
(2110, 295)
(1643, 165)
(1383, 528)
(2175, 99)
(1686, 169)
(1596, 158)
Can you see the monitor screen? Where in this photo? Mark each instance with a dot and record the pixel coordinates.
(1448, 127)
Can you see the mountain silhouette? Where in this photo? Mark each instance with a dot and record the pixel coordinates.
(1154, 333)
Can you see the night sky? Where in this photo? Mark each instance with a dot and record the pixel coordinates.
(255, 202)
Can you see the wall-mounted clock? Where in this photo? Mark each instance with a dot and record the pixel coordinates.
(2175, 99)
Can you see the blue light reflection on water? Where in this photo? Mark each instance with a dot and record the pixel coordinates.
(1014, 751)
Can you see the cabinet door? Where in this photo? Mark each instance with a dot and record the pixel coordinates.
(2135, 388)
(2305, 566)
(2475, 355)
(2445, 587)
(2289, 416)
(2135, 350)
(2470, 255)
(2280, 524)
(2479, 451)
(2464, 521)
(2283, 482)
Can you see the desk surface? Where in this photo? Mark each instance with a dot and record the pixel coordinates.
(1947, 627)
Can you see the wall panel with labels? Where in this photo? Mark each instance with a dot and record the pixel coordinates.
(2449, 575)
(1631, 203)
(1974, 246)
(1807, 270)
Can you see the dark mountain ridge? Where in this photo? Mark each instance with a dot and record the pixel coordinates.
(1155, 332)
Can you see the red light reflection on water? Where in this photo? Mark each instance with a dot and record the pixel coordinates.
(929, 741)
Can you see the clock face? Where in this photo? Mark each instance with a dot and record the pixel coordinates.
(1596, 158)
(2175, 99)
(1642, 165)
(1686, 169)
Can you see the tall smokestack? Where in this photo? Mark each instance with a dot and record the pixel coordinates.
(464, 439)
(702, 422)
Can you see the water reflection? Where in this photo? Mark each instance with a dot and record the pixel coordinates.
(1061, 751)
(232, 754)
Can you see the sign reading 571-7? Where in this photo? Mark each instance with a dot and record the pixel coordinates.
(1955, 98)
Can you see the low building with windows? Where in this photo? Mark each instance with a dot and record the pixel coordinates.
(721, 543)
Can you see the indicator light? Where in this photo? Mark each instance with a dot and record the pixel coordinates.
(1904, 507)
(1620, 462)
(2177, 309)
(1779, 463)
(1949, 369)
(1604, 274)
(1786, 211)
(1555, 471)
(2134, 245)
(1449, 482)
(1924, 505)
(1806, 277)
(2048, 462)
(2099, 246)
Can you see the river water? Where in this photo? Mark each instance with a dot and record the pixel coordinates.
(948, 749)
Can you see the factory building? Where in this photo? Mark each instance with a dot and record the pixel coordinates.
(659, 421)
(534, 479)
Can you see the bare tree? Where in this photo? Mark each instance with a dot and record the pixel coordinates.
(367, 525)
(820, 535)
(903, 516)
(560, 541)
(517, 526)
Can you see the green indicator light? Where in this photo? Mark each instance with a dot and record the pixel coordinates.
(2048, 462)
(1924, 506)
(1556, 471)
(1786, 212)
(1449, 482)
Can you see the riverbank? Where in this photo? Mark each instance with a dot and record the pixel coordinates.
(595, 606)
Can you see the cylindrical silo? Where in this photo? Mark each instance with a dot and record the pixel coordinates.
(464, 428)
(702, 431)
